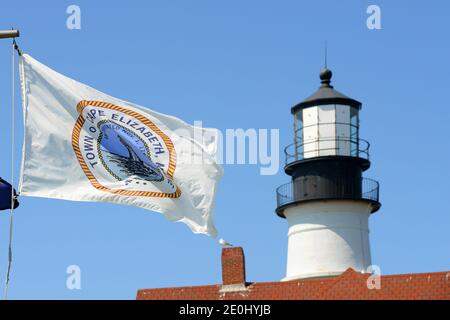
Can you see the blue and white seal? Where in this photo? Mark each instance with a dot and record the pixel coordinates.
(124, 152)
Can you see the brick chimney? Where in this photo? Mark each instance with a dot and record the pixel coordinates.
(233, 267)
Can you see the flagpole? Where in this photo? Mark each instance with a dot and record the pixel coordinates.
(5, 34)
(9, 34)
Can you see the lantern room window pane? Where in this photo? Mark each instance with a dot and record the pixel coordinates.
(343, 129)
(354, 131)
(298, 134)
(310, 132)
(327, 130)
(298, 124)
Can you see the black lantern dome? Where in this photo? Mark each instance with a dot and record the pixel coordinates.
(326, 94)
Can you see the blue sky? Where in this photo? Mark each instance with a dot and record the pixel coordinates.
(235, 64)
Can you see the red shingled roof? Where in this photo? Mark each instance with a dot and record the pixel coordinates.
(349, 285)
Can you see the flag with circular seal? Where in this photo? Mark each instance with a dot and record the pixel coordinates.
(81, 144)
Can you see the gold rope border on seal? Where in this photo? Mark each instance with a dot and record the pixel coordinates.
(76, 148)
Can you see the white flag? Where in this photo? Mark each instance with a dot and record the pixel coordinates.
(81, 144)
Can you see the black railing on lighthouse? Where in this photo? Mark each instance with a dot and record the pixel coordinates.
(326, 186)
(322, 146)
(301, 190)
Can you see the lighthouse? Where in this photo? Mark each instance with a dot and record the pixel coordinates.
(328, 202)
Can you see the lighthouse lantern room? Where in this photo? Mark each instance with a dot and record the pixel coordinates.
(328, 202)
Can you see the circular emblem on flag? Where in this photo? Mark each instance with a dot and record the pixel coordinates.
(123, 152)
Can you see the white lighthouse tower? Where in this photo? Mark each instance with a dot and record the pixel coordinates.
(328, 202)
